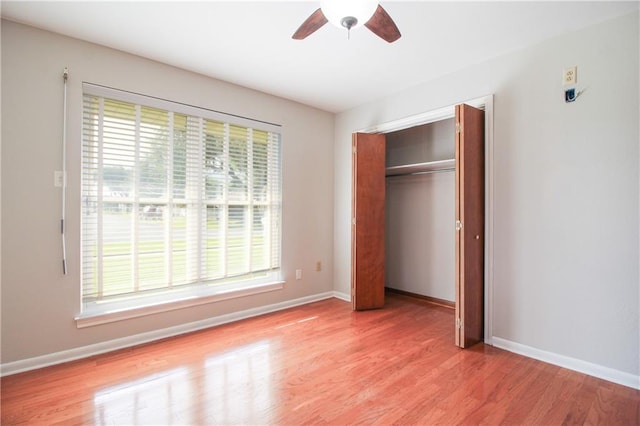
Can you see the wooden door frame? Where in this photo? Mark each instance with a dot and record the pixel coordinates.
(485, 103)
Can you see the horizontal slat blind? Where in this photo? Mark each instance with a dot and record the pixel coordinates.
(172, 199)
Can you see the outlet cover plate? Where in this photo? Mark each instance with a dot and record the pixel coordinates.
(570, 76)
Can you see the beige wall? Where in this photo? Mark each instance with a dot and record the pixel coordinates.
(565, 195)
(38, 302)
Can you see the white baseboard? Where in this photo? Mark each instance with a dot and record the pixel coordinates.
(125, 342)
(595, 370)
(342, 296)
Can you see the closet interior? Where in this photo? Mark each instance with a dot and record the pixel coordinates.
(420, 211)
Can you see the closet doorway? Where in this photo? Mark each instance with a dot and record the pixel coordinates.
(368, 220)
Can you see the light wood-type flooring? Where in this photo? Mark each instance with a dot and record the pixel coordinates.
(317, 364)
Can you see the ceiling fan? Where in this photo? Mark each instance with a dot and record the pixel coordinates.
(350, 14)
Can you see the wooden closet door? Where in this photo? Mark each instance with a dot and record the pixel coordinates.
(469, 225)
(367, 226)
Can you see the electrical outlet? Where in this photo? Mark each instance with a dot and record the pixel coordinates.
(318, 266)
(298, 274)
(570, 76)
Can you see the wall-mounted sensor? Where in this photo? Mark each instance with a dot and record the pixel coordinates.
(570, 95)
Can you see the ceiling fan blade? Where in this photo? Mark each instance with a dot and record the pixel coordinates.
(383, 26)
(311, 25)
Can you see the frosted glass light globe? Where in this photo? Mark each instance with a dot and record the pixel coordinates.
(336, 10)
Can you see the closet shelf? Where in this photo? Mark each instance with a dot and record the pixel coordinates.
(428, 167)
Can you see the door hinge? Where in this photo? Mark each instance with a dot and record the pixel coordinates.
(458, 225)
(458, 323)
(353, 221)
(458, 128)
(354, 149)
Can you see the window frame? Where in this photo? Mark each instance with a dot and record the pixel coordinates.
(104, 311)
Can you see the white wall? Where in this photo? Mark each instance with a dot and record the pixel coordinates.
(566, 187)
(420, 234)
(428, 142)
(38, 302)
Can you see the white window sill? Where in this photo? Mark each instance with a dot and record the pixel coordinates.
(104, 317)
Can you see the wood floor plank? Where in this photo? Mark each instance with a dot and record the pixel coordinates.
(320, 364)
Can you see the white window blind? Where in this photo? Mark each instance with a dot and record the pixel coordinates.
(175, 197)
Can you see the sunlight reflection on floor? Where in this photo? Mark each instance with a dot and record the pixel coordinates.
(235, 388)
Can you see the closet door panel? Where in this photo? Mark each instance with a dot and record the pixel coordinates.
(368, 221)
(469, 225)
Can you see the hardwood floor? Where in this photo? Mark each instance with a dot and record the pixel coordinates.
(317, 364)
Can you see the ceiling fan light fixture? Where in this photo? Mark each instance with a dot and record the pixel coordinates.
(349, 22)
(348, 14)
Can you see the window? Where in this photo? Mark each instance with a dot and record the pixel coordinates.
(177, 202)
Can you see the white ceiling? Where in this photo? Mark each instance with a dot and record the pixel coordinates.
(249, 43)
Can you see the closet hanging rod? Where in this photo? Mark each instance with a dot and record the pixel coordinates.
(398, 175)
(419, 168)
